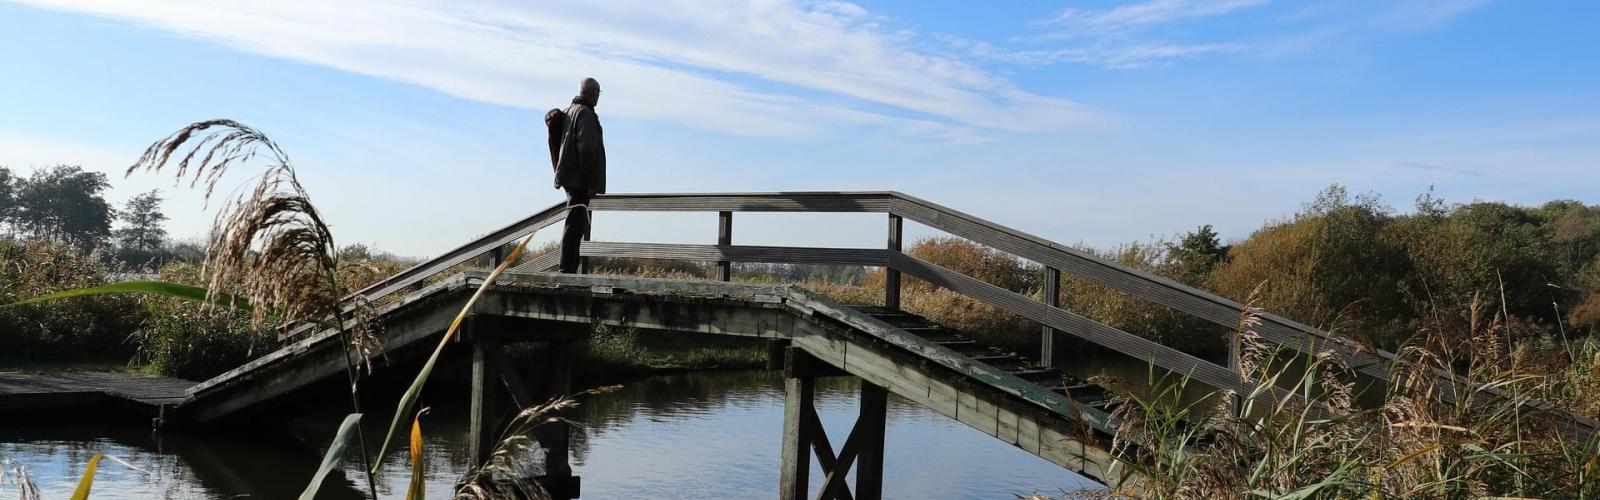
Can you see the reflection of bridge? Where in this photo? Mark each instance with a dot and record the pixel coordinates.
(1015, 400)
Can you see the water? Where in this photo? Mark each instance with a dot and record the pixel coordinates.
(701, 435)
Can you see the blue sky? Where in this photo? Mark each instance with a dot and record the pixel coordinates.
(416, 125)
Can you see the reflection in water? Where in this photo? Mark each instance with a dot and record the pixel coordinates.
(700, 435)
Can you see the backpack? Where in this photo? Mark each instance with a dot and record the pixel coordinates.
(556, 121)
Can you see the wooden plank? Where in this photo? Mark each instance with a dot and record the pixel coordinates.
(795, 461)
(1132, 345)
(547, 262)
(736, 253)
(745, 202)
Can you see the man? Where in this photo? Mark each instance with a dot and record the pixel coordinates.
(580, 168)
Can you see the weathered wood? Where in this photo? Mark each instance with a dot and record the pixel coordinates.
(798, 364)
(746, 202)
(871, 422)
(1138, 347)
(836, 468)
(777, 352)
(922, 384)
(483, 425)
(547, 262)
(1145, 285)
(904, 363)
(1052, 298)
(891, 276)
(724, 239)
(736, 253)
(415, 275)
(795, 461)
(416, 317)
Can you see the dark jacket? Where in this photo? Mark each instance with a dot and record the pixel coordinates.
(582, 163)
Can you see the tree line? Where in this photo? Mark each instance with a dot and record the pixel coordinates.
(66, 204)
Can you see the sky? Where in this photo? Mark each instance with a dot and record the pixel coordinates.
(417, 125)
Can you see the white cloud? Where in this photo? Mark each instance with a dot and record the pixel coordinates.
(1120, 57)
(1116, 21)
(779, 68)
(1152, 32)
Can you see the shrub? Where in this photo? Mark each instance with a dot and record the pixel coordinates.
(80, 328)
(190, 340)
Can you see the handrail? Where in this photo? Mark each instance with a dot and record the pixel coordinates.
(1055, 257)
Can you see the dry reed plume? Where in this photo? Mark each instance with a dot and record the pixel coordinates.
(508, 473)
(269, 244)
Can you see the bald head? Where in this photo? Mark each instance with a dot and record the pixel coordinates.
(590, 90)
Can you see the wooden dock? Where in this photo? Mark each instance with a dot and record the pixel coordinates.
(144, 394)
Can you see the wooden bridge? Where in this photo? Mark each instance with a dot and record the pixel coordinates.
(1020, 401)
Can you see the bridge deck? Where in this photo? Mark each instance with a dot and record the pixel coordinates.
(1000, 395)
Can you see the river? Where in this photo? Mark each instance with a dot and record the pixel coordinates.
(694, 435)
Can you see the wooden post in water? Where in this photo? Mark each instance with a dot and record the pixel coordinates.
(554, 369)
(795, 463)
(891, 277)
(871, 423)
(1052, 298)
(483, 428)
(724, 238)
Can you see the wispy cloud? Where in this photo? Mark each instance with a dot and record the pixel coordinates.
(1155, 32)
(779, 68)
(1119, 57)
(1120, 21)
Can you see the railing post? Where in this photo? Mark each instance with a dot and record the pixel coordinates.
(583, 262)
(891, 277)
(1052, 298)
(724, 238)
(1235, 350)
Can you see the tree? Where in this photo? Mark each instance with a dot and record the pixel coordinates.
(143, 217)
(1198, 252)
(64, 203)
(8, 197)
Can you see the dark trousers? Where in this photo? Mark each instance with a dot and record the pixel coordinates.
(575, 231)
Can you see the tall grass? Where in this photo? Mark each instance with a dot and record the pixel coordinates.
(87, 328)
(1324, 445)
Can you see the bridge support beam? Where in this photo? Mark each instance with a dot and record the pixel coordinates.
(500, 391)
(803, 435)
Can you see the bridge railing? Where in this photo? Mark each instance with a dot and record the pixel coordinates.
(1055, 258)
